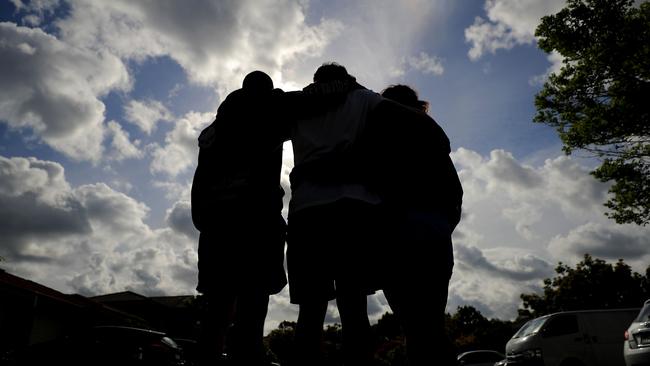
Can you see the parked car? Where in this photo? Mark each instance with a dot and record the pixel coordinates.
(104, 345)
(189, 350)
(479, 358)
(636, 347)
(585, 338)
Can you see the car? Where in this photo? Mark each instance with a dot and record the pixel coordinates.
(586, 338)
(104, 345)
(479, 358)
(636, 347)
(189, 349)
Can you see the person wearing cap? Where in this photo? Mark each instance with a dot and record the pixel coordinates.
(236, 206)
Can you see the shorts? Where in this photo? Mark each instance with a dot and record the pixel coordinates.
(330, 250)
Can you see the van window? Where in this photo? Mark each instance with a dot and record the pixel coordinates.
(531, 327)
(561, 324)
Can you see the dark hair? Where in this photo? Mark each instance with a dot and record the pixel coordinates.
(406, 95)
(332, 71)
(257, 81)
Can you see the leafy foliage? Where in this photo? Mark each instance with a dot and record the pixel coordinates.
(598, 102)
(593, 284)
(279, 342)
(470, 330)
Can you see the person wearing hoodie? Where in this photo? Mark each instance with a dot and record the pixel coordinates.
(331, 214)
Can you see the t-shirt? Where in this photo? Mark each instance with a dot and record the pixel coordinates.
(327, 134)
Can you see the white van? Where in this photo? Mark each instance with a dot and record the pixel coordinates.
(571, 338)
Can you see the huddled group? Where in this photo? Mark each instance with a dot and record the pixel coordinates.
(374, 200)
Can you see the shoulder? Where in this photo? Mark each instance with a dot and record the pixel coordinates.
(367, 96)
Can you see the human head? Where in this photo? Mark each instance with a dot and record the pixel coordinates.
(406, 95)
(258, 82)
(332, 71)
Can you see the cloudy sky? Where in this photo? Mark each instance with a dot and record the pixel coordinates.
(102, 101)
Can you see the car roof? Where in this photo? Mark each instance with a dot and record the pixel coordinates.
(590, 311)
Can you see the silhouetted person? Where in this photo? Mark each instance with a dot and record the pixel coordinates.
(423, 206)
(331, 214)
(236, 205)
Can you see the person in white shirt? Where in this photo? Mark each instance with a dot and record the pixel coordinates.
(332, 214)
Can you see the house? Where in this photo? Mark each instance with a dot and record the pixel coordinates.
(32, 313)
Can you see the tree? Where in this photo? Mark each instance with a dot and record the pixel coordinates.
(598, 102)
(279, 342)
(593, 284)
(390, 347)
(470, 330)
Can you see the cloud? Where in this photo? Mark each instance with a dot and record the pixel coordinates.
(216, 43)
(603, 241)
(524, 216)
(557, 61)
(179, 218)
(121, 146)
(502, 168)
(287, 166)
(35, 10)
(88, 239)
(280, 309)
(520, 219)
(515, 268)
(52, 89)
(424, 63)
(37, 205)
(560, 184)
(146, 114)
(509, 23)
(174, 190)
(180, 149)
(375, 37)
(111, 212)
(492, 280)
(44, 179)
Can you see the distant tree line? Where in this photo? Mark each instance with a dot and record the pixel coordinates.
(592, 284)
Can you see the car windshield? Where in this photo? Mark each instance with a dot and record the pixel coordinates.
(644, 314)
(531, 327)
